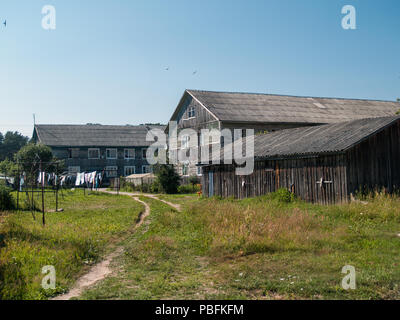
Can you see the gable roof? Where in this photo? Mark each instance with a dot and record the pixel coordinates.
(269, 108)
(329, 138)
(93, 135)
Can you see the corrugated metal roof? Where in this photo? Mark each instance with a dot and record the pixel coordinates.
(93, 135)
(269, 108)
(318, 139)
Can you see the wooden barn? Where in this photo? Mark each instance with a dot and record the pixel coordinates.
(322, 164)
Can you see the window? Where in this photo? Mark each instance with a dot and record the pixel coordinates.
(185, 170)
(146, 169)
(144, 153)
(128, 170)
(94, 153)
(74, 169)
(111, 171)
(199, 171)
(111, 153)
(129, 153)
(191, 112)
(185, 142)
(73, 153)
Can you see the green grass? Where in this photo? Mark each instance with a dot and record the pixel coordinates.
(158, 259)
(259, 248)
(71, 241)
(183, 199)
(271, 247)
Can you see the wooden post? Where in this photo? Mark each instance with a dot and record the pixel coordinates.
(42, 182)
(32, 205)
(56, 182)
(19, 186)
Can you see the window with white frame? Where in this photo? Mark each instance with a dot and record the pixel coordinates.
(199, 171)
(74, 169)
(111, 171)
(94, 153)
(146, 169)
(129, 154)
(144, 153)
(185, 142)
(111, 153)
(128, 170)
(191, 112)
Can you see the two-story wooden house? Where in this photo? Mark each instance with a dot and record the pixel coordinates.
(119, 150)
(267, 113)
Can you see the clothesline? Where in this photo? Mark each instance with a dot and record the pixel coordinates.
(90, 179)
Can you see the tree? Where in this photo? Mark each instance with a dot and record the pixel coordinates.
(30, 157)
(167, 177)
(8, 168)
(10, 144)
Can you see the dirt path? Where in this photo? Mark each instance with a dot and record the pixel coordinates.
(102, 269)
(148, 195)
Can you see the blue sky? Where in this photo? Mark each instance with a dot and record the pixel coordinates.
(105, 62)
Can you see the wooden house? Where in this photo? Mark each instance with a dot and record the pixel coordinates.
(323, 164)
(119, 150)
(267, 113)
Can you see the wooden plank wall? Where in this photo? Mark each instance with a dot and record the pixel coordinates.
(298, 175)
(374, 164)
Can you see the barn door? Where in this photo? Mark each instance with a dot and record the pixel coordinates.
(210, 184)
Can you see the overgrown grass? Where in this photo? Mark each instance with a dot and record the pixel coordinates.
(264, 248)
(71, 241)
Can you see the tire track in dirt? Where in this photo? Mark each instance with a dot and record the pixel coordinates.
(102, 269)
(148, 195)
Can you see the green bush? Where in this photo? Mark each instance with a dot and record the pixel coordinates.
(189, 188)
(156, 187)
(168, 178)
(6, 199)
(282, 195)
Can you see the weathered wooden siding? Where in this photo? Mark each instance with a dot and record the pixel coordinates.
(203, 118)
(298, 175)
(374, 164)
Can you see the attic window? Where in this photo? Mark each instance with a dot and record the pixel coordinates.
(319, 105)
(191, 112)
